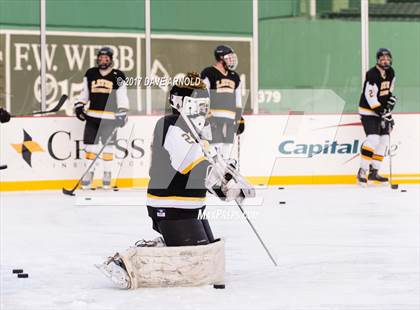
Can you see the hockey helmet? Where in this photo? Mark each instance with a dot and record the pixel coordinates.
(104, 51)
(227, 55)
(383, 52)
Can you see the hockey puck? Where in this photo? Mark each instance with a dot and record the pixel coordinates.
(88, 198)
(394, 186)
(219, 286)
(17, 270)
(403, 190)
(23, 275)
(281, 188)
(115, 189)
(282, 202)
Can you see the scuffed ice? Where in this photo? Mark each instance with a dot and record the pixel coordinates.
(338, 247)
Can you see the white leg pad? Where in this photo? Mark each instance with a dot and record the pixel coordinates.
(175, 266)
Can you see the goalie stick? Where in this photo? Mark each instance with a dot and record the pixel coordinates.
(248, 191)
(70, 192)
(60, 103)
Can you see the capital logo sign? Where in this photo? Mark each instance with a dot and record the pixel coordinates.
(27, 147)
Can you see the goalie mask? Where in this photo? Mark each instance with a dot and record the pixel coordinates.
(227, 55)
(193, 102)
(104, 58)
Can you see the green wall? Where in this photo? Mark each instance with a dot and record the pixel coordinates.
(299, 53)
(294, 52)
(176, 16)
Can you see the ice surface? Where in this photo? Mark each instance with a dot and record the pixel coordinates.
(338, 247)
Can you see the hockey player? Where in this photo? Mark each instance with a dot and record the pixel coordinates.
(376, 104)
(105, 94)
(180, 176)
(4, 116)
(224, 85)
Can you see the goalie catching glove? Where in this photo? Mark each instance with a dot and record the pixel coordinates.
(225, 182)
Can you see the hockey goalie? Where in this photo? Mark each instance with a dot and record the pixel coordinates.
(182, 171)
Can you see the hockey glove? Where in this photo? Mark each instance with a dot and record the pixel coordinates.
(79, 110)
(221, 183)
(4, 116)
(387, 120)
(121, 118)
(387, 115)
(391, 103)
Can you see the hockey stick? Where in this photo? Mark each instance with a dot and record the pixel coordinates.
(393, 186)
(239, 152)
(60, 103)
(235, 175)
(70, 192)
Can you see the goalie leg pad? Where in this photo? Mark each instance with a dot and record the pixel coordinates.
(175, 266)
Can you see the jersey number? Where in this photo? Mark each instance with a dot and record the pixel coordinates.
(188, 138)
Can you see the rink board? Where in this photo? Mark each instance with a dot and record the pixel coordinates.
(47, 152)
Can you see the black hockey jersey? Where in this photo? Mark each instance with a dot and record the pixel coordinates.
(225, 92)
(105, 94)
(376, 91)
(178, 167)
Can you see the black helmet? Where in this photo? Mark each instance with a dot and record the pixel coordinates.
(222, 50)
(383, 52)
(105, 51)
(226, 54)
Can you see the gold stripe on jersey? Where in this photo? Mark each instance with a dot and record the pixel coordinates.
(184, 198)
(192, 165)
(222, 111)
(101, 112)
